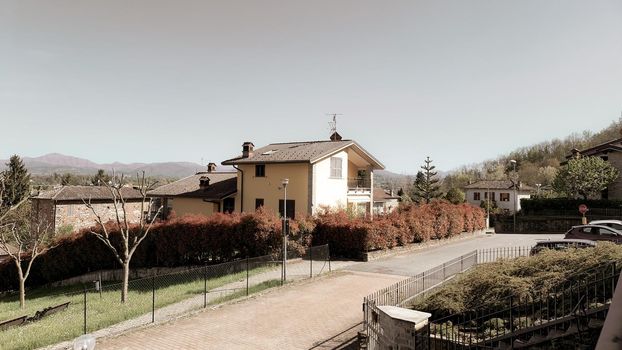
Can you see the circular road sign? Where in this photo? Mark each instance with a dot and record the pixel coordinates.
(583, 208)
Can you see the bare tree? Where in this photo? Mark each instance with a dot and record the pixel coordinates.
(131, 235)
(24, 243)
(20, 240)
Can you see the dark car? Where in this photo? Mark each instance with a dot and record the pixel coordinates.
(594, 233)
(562, 244)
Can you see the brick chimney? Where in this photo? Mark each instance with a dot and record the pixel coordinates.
(203, 182)
(247, 149)
(211, 167)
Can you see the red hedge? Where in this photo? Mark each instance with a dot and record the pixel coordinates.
(192, 240)
(350, 237)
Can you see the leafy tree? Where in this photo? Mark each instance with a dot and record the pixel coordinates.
(100, 178)
(15, 182)
(455, 196)
(426, 183)
(585, 176)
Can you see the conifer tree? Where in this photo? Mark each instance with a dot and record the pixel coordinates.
(427, 183)
(16, 184)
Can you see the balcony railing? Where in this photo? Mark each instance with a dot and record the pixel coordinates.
(359, 183)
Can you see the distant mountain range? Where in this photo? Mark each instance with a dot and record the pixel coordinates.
(60, 163)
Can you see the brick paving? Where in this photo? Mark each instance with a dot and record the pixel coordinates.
(294, 317)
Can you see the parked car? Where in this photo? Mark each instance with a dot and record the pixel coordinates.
(617, 224)
(561, 244)
(594, 233)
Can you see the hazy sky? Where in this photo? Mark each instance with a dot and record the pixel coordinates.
(460, 81)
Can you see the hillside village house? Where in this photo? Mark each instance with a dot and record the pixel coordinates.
(336, 173)
(501, 192)
(611, 152)
(203, 193)
(63, 208)
(385, 201)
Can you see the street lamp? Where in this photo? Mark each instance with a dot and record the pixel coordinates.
(538, 191)
(515, 194)
(284, 182)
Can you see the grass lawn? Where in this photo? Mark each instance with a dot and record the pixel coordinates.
(106, 309)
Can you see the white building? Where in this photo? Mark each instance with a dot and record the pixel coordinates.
(502, 193)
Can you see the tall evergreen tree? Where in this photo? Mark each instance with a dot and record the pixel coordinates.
(427, 185)
(100, 178)
(16, 182)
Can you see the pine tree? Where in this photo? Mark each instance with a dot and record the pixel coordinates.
(426, 183)
(16, 182)
(100, 178)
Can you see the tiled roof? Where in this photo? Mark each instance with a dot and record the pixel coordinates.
(77, 193)
(297, 152)
(613, 145)
(497, 185)
(381, 195)
(221, 185)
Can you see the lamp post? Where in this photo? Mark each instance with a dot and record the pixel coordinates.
(538, 191)
(515, 194)
(285, 182)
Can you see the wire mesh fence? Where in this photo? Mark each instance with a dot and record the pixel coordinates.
(52, 318)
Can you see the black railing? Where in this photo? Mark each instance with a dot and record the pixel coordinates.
(526, 320)
(494, 254)
(409, 289)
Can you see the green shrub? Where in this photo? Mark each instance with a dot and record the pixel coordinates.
(526, 278)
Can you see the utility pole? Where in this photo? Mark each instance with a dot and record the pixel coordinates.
(515, 184)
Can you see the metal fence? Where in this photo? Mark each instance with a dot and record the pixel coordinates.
(406, 291)
(83, 310)
(494, 254)
(529, 320)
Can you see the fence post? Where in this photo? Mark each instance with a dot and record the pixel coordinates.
(328, 248)
(247, 275)
(461, 263)
(84, 309)
(205, 286)
(444, 276)
(153, 299)
(310, 262)
(512, 322)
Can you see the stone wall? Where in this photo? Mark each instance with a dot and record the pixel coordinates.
(78, 216)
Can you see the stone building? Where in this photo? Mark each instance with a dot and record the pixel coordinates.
(63, 208)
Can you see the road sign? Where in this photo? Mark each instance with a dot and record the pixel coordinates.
(583, 209)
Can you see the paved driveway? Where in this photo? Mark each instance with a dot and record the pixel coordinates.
(412, 263)
(303, 314)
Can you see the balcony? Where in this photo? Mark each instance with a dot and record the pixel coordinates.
(359, 185)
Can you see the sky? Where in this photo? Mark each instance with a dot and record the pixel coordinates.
(460, 81)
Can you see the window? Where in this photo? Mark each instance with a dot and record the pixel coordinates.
(260, 170)
(504, 197)
(228, 205)
(476, 196)
(258, 203)
(492, 195)
(291, 208)
(335, 167)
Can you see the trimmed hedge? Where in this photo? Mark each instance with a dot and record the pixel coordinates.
(189, 240)
(530, 206)
(197, 240)
(350, 237)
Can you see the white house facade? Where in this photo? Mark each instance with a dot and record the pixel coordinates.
(503, 194)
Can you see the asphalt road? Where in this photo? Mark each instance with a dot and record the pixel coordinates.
(412, 263)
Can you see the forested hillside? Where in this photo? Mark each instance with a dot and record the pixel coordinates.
(536, 164)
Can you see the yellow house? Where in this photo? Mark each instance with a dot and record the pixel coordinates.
(336, 173)
(204, 193)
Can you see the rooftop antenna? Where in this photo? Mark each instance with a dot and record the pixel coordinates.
(333, 124)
